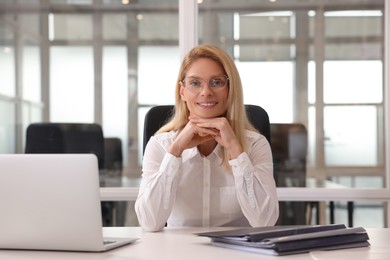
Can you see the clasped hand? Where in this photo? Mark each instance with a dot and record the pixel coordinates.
(200, 130)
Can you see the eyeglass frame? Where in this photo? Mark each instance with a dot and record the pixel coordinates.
(209, 84)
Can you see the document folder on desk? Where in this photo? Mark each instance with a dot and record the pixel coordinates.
(285, 240)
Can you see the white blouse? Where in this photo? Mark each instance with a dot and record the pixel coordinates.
(193, 190)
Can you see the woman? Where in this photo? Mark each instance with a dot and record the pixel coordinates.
(207, 166)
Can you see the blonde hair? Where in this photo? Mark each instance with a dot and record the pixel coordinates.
(235, 114)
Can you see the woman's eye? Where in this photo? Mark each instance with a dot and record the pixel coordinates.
(195, 83)
(216, 83)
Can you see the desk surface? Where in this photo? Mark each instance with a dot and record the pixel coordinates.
(180, 243)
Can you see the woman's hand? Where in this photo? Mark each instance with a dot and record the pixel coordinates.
(222, 132)
(191, 136)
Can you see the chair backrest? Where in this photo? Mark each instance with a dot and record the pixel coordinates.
(65, 138)
(113, 156)
(157, 116)
(259, 119)
(289, 151)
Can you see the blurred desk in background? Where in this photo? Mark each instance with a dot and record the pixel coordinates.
(126, 189)
(327, 184)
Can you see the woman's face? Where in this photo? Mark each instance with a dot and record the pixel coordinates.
(203, 99)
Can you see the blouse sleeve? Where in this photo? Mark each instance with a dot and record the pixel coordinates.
(255, 184)
(158, 186)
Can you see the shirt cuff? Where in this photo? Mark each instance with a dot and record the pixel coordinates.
(243, 170)
(243, 163)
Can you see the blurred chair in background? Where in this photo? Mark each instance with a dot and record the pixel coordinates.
(66, 138)
(113, 156)
(289, 150)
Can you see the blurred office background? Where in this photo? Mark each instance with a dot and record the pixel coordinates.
(318, 63)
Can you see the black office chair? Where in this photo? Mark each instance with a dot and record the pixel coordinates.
(70, 138)
(66, 138)
(157, 116)
(113, 156)
(289, 150)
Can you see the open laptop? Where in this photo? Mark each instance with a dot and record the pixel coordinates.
(52, 202)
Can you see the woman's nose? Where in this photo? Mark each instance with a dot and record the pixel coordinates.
(206, 90)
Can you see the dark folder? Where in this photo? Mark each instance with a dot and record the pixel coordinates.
(283, 240)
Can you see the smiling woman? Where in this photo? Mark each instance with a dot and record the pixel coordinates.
(207, 154)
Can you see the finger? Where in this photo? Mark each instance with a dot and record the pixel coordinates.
(206, 138)
(203, 131)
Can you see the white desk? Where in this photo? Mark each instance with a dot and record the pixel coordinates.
(180, 243)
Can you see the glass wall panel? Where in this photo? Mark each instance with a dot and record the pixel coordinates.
(273, 25)
(72, 85)
(31, 74)
(6, 31)
(115, 94)
(354, 51)
(7, 127)
(114, 26)
(263, 85)
(351, 134)
(158, 26)
(156, 81)
(7, 68)
(7, 55)
(260, 43)
(348, 23)
(157, 76)
(353, 74)
(353, 81)
(70, 27)
(266, 52)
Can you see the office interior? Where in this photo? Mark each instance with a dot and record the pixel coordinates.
(323, 64)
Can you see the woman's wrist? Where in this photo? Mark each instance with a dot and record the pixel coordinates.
(175, 150)
(235, 150)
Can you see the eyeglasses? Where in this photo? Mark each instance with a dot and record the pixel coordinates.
(195, 84)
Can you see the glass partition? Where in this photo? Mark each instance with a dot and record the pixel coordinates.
(7, 127)
(71, 71)
(31, 73)
(7, 67)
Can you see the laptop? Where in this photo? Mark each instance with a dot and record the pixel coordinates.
(52, 202)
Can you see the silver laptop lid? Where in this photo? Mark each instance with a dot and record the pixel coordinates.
(50, 201)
